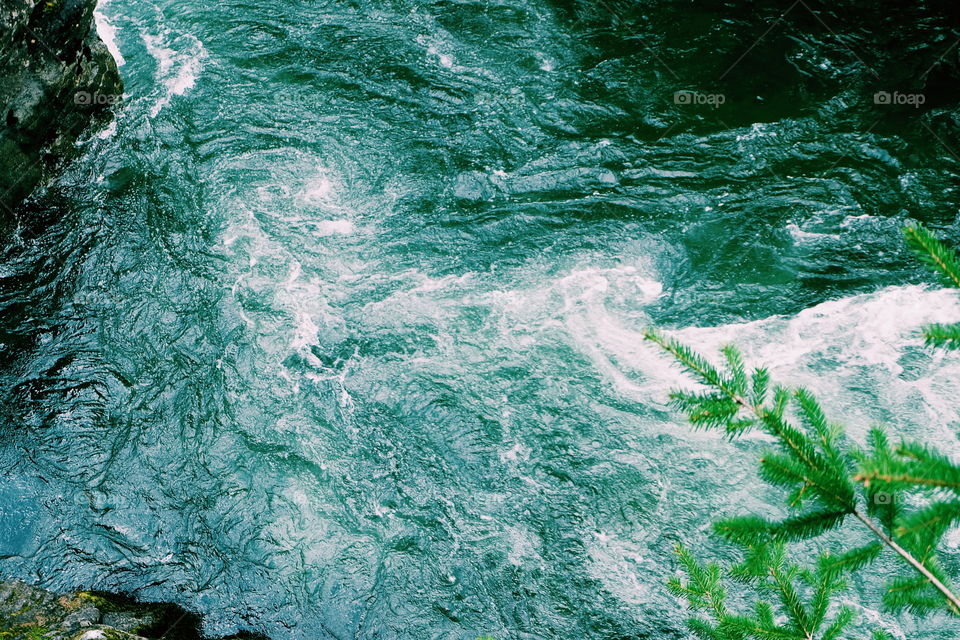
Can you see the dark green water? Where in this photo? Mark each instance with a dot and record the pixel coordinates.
(334, 333)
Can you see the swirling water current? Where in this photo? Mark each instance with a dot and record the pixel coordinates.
(334, 331)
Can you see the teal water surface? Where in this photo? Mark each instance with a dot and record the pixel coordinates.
(334, 332)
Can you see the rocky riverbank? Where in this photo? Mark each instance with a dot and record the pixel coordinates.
(58, 77)
(29, 613)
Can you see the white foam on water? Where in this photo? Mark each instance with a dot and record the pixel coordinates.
(296, 270)
(273, 191)
(445, 60)
(618, 564)
(437, 47)
(179, 63)
(523, 547)
(320, 189)
(335, 227)
(108, 131)
(849, 221)
(163, 55)
(305, 300)
(862, 355)
(585, 294)
(952, 539)
(305, 332)
(108, 34)
(800, 235)
(876, 619)
(274, 215)
(187, 75)
(516, 453)
(423, 298)
(870, 329)
(845, 350)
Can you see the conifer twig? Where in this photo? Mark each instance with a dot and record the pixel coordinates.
(816, 465)
(941, 259)
(906, 555)
(772, 419)
(944, 262)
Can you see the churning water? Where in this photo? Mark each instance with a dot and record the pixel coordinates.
(334, 332)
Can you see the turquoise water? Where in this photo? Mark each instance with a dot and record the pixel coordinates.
(334, 332)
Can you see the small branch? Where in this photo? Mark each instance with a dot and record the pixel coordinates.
(902, 477)
(942, 266)
(799, 614)
(916, 564)
(761, 412)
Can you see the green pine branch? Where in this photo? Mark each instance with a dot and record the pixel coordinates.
(942, 335)
(816, 465)
(800, 606)
(943, 261)
(826, 480)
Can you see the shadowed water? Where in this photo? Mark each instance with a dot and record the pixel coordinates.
(334, 333)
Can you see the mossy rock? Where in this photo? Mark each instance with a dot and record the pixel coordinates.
(31, 613)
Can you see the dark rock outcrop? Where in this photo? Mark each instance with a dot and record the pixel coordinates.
(56, 77)
(29, 613)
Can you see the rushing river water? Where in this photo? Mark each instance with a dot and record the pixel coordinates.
(334, 332)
